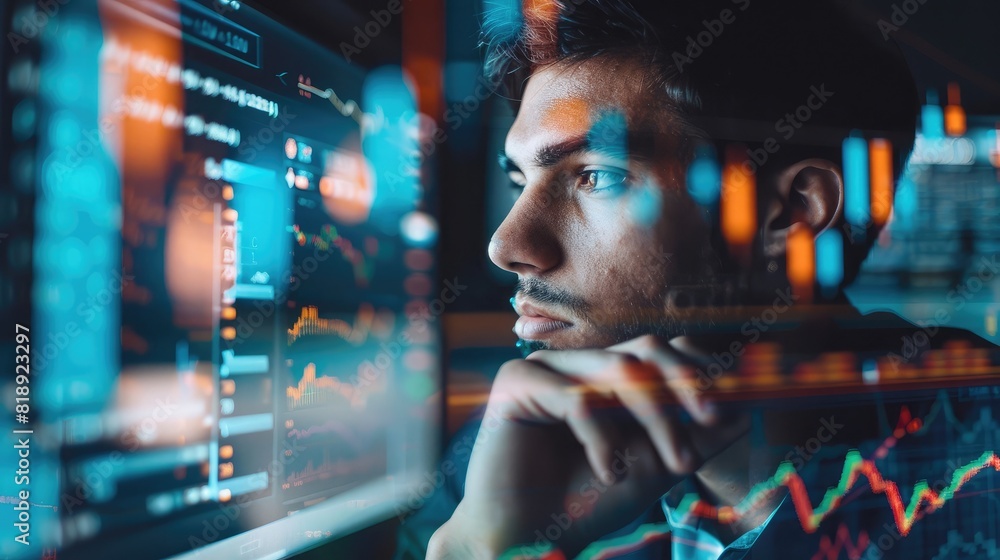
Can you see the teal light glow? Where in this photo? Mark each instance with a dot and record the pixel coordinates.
(932, 117)
(76, 240)
(830, 260)
(23, 120)
(857, 198)
(393, 150)
(905, 209)
(704, 178)
(64, 130)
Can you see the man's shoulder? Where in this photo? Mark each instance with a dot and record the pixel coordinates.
(885, 331)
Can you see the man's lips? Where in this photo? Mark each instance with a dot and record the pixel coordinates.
(535, 323)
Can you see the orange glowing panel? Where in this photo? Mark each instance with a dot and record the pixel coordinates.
(228, 333)
(226, 452)
(880, 162)
(738, 206)
(423, 50)
(418, 285)
(229, 313)
(227, 192)
(418, 259)
(541, 17)
(226, 470)
(227, 387)
(348, 187)
(995, 156)
(569, 116)
(545, 10)
(230, 215)
(801, 252)
(954, 114)
(225, 495)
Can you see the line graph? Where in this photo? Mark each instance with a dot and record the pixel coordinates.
(310, 323)
(809, 517)
(330, 427)
(842, 543)
(327, 239)
(942, 409)
(312, 390)
(348, 108)
(854, 467)
(906, 424)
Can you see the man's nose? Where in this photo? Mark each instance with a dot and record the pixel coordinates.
(527, 242)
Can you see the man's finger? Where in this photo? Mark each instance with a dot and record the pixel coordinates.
(532, 392)
(678, 372)
(663, 428)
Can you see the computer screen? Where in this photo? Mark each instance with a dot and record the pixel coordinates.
(229, 285)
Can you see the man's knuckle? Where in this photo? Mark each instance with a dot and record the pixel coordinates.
(577, 406)
(509, 370)
(648, 342)
(623, 361)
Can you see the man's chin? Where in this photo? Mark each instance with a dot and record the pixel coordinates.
(567, 341)
(528, 346)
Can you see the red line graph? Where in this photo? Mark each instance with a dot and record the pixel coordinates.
(854, 468)
(842, 543)
(905, 425)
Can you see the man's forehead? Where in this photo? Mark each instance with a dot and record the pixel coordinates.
(567, 100)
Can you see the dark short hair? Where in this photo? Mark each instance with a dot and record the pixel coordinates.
(729, 68)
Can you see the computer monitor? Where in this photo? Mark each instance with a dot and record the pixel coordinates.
(228, 285)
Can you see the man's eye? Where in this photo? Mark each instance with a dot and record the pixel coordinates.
(516, 182)
(602, 181)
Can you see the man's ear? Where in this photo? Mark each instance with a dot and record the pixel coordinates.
(810, 191)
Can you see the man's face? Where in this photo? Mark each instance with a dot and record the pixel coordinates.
(603, 230)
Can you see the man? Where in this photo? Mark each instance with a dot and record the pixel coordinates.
(629, 276)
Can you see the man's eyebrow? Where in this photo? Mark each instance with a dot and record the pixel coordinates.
(635, 145)
(547, 156)
(551, 155)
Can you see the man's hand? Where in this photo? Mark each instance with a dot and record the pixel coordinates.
(593, 438)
